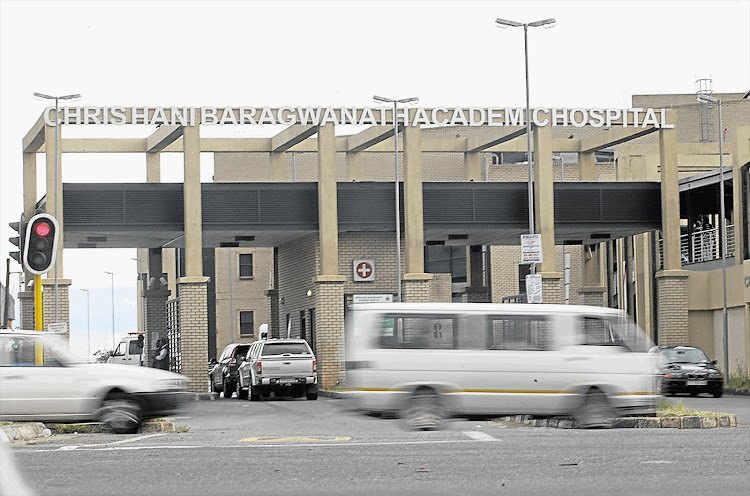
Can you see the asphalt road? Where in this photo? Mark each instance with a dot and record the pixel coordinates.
(285, 446)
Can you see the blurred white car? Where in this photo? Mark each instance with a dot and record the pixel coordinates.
(41, 380)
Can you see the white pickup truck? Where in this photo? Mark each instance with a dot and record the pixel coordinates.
(285, 367)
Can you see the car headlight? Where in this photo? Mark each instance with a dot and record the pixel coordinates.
(673, 375)
(716, 375)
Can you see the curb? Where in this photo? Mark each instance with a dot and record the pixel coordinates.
(204, 396)
(691, 422)
(737, 391)
(339, 395)
(27, 431)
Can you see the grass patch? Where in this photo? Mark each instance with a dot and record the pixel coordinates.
(666, 409)
(68, 428)
(3, 422)
(182, 428)
(739, 380)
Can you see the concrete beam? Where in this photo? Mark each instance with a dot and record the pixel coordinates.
(613, 136)
(34, 139)
(369, 137)
(291, 136)
(105, 145)
(163, 137)
(481, 143)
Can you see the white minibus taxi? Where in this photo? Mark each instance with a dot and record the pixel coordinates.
(430, 361)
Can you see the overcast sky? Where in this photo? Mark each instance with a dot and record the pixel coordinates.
(448, 53)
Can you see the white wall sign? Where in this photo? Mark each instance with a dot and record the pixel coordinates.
(534, 288)
(364, 270)
(531, 248)
(57, 327)
(372, 298)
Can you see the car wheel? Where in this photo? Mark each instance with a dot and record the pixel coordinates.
(228, 389)
(265, 393)
(242, 393)
(254, 393)
(694, 393)
(424, 410)
(120, 414)
(717, 394)
(311, 396)
(594, 411)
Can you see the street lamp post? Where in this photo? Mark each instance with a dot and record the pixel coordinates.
(547, 23)
(88, 324)
(395, 103)
(57, 160)
(723, 233)
(112, 276)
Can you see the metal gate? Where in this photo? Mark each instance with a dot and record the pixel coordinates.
(174, 335)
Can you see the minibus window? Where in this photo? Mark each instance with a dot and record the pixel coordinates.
(519, 332)
(416, 332)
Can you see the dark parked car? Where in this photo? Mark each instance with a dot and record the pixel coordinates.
(222, 374)
(689, 370)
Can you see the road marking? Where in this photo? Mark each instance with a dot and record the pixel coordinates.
(256, 446)
(480, 436)
(659, 462)
(295, 439)
(73, 447)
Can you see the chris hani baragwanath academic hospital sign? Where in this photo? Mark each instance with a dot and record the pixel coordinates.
(319, 116)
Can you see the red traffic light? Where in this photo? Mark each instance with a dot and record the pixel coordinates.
(42, 229)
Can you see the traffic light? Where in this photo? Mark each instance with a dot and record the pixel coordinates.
(40, 247)
(19, 240)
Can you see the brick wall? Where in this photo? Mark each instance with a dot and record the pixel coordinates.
(329, 329)
(48, 302)
(672, 309)
(155, 312)
(441, 288)
(248, 294)
(194, 335)
(27, 310)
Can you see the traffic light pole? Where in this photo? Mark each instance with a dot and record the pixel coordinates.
(38, 302)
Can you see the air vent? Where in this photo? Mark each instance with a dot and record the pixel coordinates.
(229, 244)
(244, 238)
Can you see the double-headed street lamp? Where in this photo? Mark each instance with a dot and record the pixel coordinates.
(112, 276)
(398, 208)
(57, 99)
(546, 23)
(702, 97)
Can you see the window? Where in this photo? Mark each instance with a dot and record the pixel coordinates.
(285, 348)
(519, 332)
(416, 332)
(22, 351)
(596, 332)
(134, 349)
(120, 351)
(246, 265)
(247, 323)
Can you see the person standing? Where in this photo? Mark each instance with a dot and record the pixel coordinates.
(161, 360)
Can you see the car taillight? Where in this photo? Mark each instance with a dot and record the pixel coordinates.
(315, 366)
(259, 368)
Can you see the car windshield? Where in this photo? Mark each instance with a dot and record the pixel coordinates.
(688, 355)
(283, 348)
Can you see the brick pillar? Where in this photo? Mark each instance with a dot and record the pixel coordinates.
(26, 299)
(593, 295)
(194, 330)
(48, 301)
(416, 288)
(155, 321)
(672, 308)
(552, 290)
(329, 329)
(273, 313)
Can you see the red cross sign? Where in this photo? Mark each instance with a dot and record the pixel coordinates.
(364, 270)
